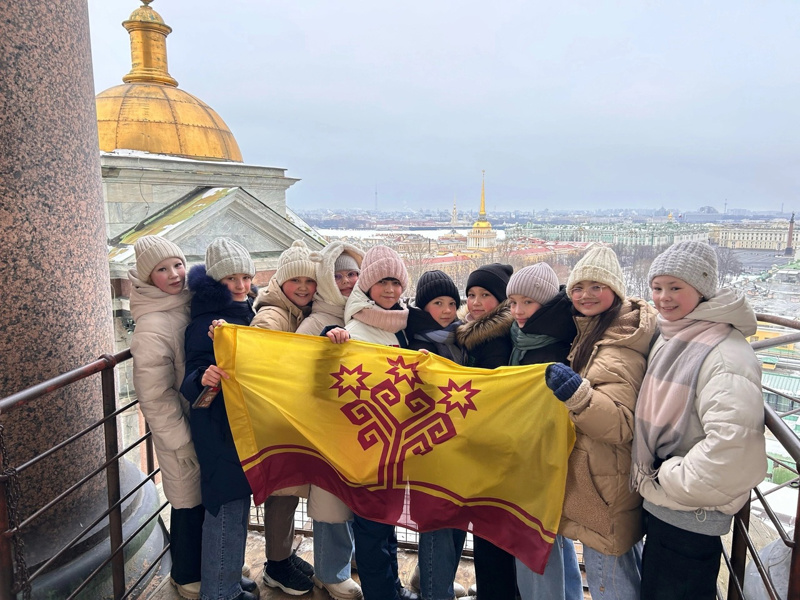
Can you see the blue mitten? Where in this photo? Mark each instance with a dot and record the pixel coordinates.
(562, 380)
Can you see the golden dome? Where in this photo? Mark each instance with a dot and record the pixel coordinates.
(149, 113)
(480, 224)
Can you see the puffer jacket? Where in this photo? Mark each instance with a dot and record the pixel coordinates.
(328, 307)
(600, 509)
(358, 330)
(486, 339)
(722, 455)
(275, 311)
(222, 479)
(158, 365)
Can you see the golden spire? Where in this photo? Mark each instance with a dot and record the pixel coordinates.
(148, 47)
(483, 196)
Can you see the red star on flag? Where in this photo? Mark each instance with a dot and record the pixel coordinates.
(402, 371)
(459, 397)
(350, 380)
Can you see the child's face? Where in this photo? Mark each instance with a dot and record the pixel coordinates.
(673, 297)
(591, 298)
(522, 308)
(442, 309)
(169, 275)
(239, 285)
(480, 301)
(345, 281)
(299, 290)
(386, 293)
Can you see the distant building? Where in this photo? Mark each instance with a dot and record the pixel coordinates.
(757, 236)
(627, 234)
(482, 236)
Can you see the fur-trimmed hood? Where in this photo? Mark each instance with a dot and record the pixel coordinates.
(494, 324)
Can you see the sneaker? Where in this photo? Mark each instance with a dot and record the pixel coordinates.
(473, 589)
(246, 596)
(281, 574)
(303, 566)
(245, 570)
(458, 590)
(250, 586)
(406, 594)
(190, 591)
(413, 583)
(344, 590)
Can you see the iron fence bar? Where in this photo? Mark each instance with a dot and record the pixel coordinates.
(739, 551)
(6, 553)
(779, 393)
(150, 568)
(113, 484)
(59, 381)
(766, 579)
(72, 488)
(790, 323)
(89, 527)
(773, 517)
(94, 573)
(149, 451)
(782, 432)
(794, 565)
(68, 441)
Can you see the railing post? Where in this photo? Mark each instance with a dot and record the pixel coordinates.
(794, 566)
(6, 552)
(738, 551)
(112, 478)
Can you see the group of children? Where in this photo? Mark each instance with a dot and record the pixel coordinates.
(682, 429)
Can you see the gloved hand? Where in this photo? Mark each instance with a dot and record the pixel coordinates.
(562, 380)
(187, 457)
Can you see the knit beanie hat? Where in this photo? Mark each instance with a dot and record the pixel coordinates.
(225, 257)
(381, 262)
(693, 262)
(599, 264)
(296, 261)
(433, 284)
(493, 277)
(537, 281)
(151, 250)
(345, 262)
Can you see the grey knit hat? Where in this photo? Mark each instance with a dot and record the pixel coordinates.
(692, 262)
(433, 284)
(225, 257)
(537, 281)
(151, 250)
(345, 262)
(296, 261)
(599, 264)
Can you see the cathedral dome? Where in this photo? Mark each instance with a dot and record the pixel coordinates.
(150, 113)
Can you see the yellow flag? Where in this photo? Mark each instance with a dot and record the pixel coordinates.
(400, 436)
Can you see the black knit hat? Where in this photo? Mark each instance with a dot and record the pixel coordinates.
(493, 277)
(433, 284)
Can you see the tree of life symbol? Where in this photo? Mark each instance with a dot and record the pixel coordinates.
(398, 414)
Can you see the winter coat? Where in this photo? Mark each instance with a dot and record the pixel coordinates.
(275, 311)
(600, 509)
(421, 322)
(553, 319)
(358, 330)
(486, 339)
(222, 478)
(328, 307)
(158, 363)
(722, 455)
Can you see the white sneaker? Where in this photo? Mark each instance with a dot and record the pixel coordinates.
(413, 583)
(459, 590)
(190, 591)
(345, 590)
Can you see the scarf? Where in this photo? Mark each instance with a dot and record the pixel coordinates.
(392, 320)
(445, 341)
(666, 400)
(526, 341)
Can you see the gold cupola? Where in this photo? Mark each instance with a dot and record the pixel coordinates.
(482, 222)
(149, 112)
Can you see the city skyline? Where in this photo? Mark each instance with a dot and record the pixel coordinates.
(573, 106)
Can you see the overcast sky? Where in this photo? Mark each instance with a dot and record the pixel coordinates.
(579, 104)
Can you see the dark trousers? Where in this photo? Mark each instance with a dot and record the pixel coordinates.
(495, 571)
(376, 557)
(185, 543)
(678, 564)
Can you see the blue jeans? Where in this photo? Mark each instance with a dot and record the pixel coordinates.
(333, 549)
(224, 539)
(439, 554)
(561, 579)
(614, 577)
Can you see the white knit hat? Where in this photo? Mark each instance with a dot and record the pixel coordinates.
(599, 264)
(296, 261)
(692, 262)
(537, 281)
(225, 257)
(151, 250)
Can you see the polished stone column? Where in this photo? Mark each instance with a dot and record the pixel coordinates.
(54, 282)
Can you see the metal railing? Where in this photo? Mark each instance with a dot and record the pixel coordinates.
(14, 576)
